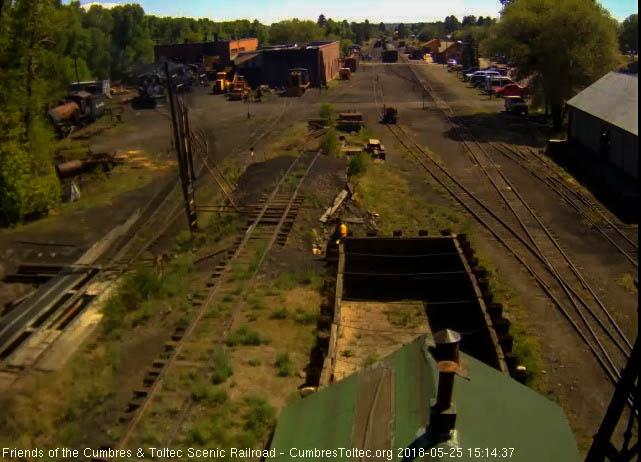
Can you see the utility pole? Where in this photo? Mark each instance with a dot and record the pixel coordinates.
(184, 154)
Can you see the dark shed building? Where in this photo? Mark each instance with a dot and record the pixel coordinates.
(319, 58)
(603, 121)
(194, 52)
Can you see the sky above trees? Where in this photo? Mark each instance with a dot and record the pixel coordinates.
(408, 11)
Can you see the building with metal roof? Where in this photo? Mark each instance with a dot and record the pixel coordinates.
(604, 122)
(270, 65)
(393, 409)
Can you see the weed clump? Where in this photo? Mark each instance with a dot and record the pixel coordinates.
(245, 336)
(305, 317)
(210, 395)
(281, 313)
(329, 143)
(259, 417)
(283, 364)
(222, 366)
(357, 164)
(326, 113)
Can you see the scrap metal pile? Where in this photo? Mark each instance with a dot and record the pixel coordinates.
(152, 82)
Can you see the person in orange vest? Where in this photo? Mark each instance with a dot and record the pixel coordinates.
(340, 232)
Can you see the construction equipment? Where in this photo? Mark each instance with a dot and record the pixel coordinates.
(389, 115)
(297, 82)
(350, 121)
(239, 89)
(376, 149)
(221, 85)
(345, 73)
(211, 65)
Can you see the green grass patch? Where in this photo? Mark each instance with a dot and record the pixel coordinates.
(329, 143)
(305, 317)
(210, 395)
(283, 365)
(222, 367)
(259, 416)
(245, 336)
(358, 164)
(143, 291)
(326, 112)
(280, 313)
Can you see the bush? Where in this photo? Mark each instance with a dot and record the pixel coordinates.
(211, 395)
(244, 336)
(279, 314)
(283, 364)
(326, 113)
(329, 143)
(306, 317)
(222, 366)
(259, 416)
(357, 164)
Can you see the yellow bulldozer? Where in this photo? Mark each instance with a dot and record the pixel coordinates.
(238, 88)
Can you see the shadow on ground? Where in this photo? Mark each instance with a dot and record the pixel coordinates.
(502, 127)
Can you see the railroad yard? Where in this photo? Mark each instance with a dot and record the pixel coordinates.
(121, 329)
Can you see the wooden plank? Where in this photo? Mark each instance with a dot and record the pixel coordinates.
(337, 203)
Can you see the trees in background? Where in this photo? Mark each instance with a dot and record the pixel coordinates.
(402, 30)
(559, 46)
(28, 183)
(629, 34)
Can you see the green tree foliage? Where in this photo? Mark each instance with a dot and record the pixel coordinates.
(469, 53)
(381, 27)
(451, 24)
(432, 30)
(28, 183)
(322, 21)
(629, 34)
(561, 46)
(469, 20)
(402, 31)
(295, 31)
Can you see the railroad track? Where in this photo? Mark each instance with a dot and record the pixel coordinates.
(503, 211)
(191, 349)
(535, 163)
(53, 309)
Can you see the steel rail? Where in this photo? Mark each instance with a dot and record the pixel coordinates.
(557, 185)
(509, 247)
(576, 272)
(156, 386)
(546, 288)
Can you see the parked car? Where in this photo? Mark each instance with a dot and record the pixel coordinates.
(511, 89)
(515, 105)
(479, 77)
(492, 83)
(470, 71)
(450, 63)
